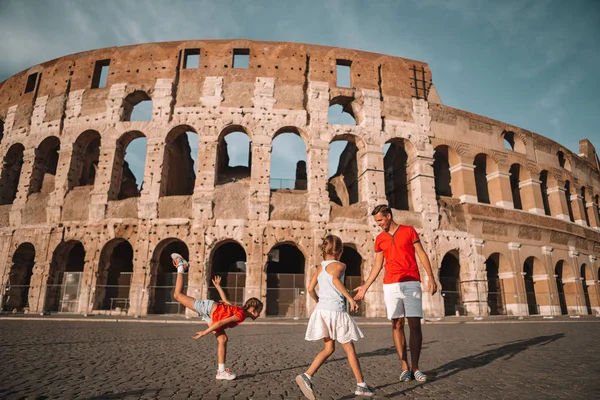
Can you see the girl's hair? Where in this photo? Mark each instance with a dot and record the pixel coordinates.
(332, 245)
(253, 302)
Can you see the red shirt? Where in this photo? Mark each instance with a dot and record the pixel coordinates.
(399, 253)
(223, 311)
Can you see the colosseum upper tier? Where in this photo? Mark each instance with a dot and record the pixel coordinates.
(508, 217)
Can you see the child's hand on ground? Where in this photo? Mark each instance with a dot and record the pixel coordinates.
(198, 335)
(216, 280)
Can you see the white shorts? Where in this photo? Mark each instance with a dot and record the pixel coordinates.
(403, 299)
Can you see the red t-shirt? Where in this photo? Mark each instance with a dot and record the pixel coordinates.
(399, 253)
(224, 311)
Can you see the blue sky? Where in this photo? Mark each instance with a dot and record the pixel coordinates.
(533, 64)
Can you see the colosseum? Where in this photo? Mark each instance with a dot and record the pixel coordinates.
(508, 217)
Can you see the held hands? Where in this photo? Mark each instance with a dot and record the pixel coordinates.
(198, 335)
(216, 281)
(361, 290)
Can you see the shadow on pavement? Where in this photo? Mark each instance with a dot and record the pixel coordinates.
(122, 395)
(506, 351)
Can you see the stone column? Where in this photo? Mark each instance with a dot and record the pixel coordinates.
(573, 287)
(61, 183)
(463, 182)
(23, 188)
(421, 182)
(259, 195)
(474, 291)
(204, 187)
(318, 196)
(592, 212)
(578, 210)
(553, 306)
(148, 203)
(520, 306)
(371, 179)
(557, 199)
(531, 196)
(593, 288)
(37, 287)
(104, 177)
(499, 187)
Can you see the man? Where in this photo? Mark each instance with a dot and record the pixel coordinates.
(397, 244)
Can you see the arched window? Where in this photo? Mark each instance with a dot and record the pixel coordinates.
(584, 201)
(513, 142)
(341, 112)
(16, 291)
(285, 281)
(44, 167)
(288, 161)
(481, 183)
(163, 277)
(229, 262)
(395, 162)
(441, 171)
(179, 165)
(234, 155)
(137, 106)
(515, 180)
(343, 171)
(544, 189)
(64, 280)
(114, 276)
(451, 286)
(568, 196)
(11, 172)
(130, 160)
(85, 159)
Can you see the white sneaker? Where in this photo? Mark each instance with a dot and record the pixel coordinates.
(178, 260)
(226, 375)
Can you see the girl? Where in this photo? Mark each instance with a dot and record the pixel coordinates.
(330, 321)
(219, 315)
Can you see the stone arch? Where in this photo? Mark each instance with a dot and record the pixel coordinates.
(567, 283)
(444, 157)
(518, 175)
(228, 170)
(563, 161)
(1, 130)
(285, 270)
(124, 184)
(397, 162)
(11, 172)
(163, 275)
(290, 162)
(500, 286)
(178, 171)
(354, 271)
(85, 159)
(16, 292)
(44, 166)
(481, 171)
(132, 102)
(449, 276)
(345, 106)
(64, 279)
(533, 270)
(343, 185)
(584, 211)
(544, 190)
(514, 142)
(228, 260)
(568, 194)
(113, 282)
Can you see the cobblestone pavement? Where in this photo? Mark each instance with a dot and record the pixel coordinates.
(125, 360)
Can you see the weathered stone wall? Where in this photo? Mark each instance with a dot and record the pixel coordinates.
(289, 86)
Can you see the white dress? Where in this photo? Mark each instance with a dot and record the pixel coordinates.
(330, 319)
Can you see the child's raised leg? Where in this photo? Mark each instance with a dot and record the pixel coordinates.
(181, 265)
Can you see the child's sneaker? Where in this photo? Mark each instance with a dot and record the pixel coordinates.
(420, 377)
(364, 391)
(306, 386)
(178, 261)
(405, 375)
(226, 375)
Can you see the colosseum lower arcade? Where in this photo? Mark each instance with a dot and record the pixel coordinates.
(508, 217)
